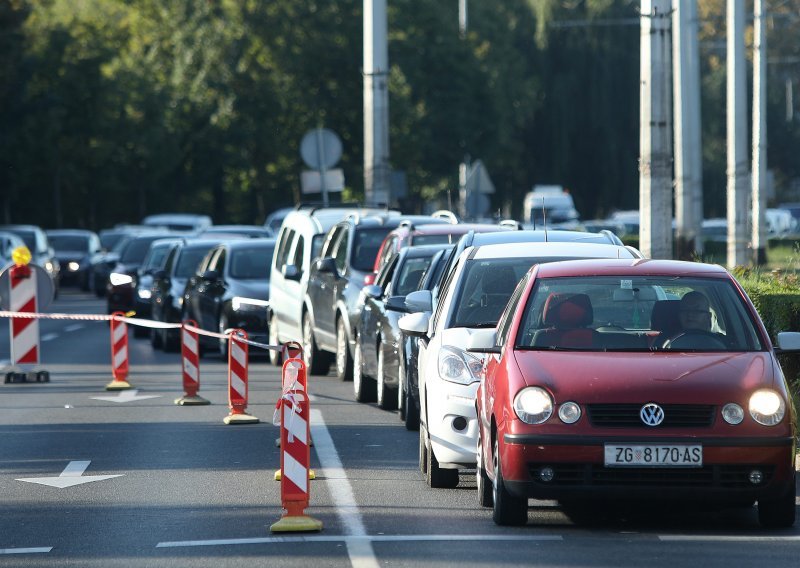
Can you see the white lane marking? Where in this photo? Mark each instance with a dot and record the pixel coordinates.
(74, 327)
(126, 396)
(49, 336)
(356, 539)
(72, 475)
(724, 538)
(26, 550)
(360, 551)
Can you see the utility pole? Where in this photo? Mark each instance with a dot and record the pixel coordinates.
(462, 18)
(737, 186)
(759, 168)
(376, 104)
(688, 149)
(655, 140)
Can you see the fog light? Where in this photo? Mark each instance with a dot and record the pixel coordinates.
(460, 423)
(756, 477)
(547, 474)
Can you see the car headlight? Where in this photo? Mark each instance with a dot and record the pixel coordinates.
(457, 366)
(120, 279)
(732, 413)
(144, 293)
(49, 266)
(569, 412)
(767, 407)
(533, 405)
(73, 266)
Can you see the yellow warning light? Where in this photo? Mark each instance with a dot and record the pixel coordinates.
(130, 314)
(21, 256)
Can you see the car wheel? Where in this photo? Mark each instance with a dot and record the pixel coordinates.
(223, 343)
(438, 477)
(401, 393)
(412, 412)
(484, 484)
(387, 396)
(344, 362)
(275, 357)
(313, 358)
(778, 513)
(170, 340)
(155, 339)
(423, 452)
(363, 386)
(508, 510)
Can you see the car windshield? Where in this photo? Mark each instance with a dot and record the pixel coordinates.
(251, 263)
(136, 250)
(188, 261)
(29, 238)
(664, 313)
(365, 248)
(69, 242)
(434, 239)
(410, 275)
(487, 286)
(155, 257)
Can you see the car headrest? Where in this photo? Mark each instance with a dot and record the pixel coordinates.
(563, 311)
(499, 280)
(664, 316)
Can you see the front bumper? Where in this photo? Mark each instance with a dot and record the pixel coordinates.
(578, 469)
(451, 421)
(119, 298)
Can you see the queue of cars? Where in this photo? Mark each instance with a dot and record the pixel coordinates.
(556, 364)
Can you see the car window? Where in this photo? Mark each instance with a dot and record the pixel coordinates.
(432, 239)
(650, 314)
(299, 250)
(365, 248)
(386, 273)
(340, 251)
(410, 275)
(218, 262)
(155, 257)
(206, 262)
(188, 261)
(486, 286)
(136, 250)
(251, 263)
(507, 317)
(284, 248)
(331, 240)
(316, 246)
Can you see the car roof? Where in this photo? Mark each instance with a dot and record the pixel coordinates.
(250, 243)
(557, 249)
(639, 267)
(69, 232)
(539, 235)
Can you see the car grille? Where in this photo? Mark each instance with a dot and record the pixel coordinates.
(723, 476)
(675, 415)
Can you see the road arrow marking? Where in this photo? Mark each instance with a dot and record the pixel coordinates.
(126, 396)
(72, 475)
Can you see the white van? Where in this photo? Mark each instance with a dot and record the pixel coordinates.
(550, 204)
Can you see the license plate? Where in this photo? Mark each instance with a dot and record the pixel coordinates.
(653, 455)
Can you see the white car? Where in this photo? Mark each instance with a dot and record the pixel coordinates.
(473, 297)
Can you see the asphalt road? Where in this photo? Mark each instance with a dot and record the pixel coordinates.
(175, 486)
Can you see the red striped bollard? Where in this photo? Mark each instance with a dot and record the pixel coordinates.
(237, 379)
(119, 353)
(24, 331)
(295, 451)
(190, 354)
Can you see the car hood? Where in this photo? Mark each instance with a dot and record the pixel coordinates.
(636, 377)
(255, 289)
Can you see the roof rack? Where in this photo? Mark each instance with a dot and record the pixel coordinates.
(445, 214)
(511, 224)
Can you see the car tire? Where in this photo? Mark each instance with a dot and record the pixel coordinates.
(387, 396)
(315, 360)
(507, 510)
(344, 362)
(411, 419)
(778, 513)
(483, 483)
(363, 386)
(275, 357)
(423, 452)
(170, 340)
(436, 476)
(223, 343)
(155, 339)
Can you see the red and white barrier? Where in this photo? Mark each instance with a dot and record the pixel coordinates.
(24, 332)
(237, 379)
(190, 355)
(295, 414)
(119, 353)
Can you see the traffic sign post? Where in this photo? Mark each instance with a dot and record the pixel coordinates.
(321, 149)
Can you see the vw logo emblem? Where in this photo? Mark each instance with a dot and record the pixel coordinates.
(651, 414)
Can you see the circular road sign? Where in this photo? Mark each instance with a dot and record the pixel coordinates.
(44, 287)
(321, 148)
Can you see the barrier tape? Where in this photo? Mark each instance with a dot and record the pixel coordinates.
(135, 321)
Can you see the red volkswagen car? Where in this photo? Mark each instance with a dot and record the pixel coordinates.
(642, 379)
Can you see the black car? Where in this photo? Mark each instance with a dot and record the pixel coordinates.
(122, 279)
(230, 290)
(379, 349)
(166, 302)
(154, 261)
(77, 251)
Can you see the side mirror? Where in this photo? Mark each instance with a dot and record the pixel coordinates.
(396, 304)
(483, 341)
(415, 325)
(372, 291)
(787, 342)
(290, 272)
(325, 265)
(420, 301)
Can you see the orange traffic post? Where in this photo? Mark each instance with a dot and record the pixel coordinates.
(237, 379)
(190, 354)
(119, 353)
(295, 451)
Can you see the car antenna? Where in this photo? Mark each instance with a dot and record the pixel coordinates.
(544, 219)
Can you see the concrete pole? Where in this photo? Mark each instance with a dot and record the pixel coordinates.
(462, 17)
(738, 190)
(655, 140)
(376, 104)
(686, 109)
(759, 168)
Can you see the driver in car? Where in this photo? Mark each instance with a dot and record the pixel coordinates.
(694, 312)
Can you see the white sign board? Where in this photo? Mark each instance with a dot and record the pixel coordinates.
(311, 181)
